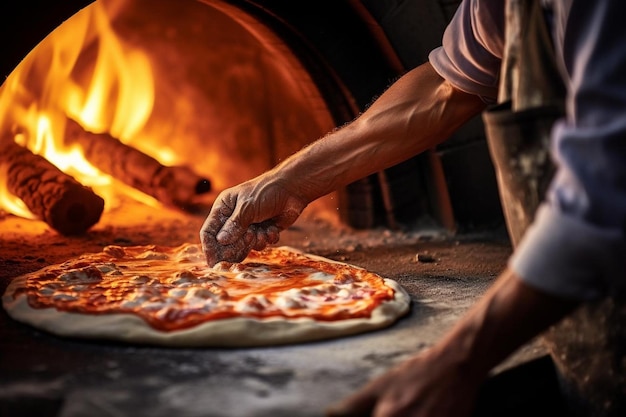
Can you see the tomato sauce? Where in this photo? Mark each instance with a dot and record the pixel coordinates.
(174, 289)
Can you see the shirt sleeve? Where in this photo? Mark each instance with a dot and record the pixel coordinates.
(576, 245)
(472, 46)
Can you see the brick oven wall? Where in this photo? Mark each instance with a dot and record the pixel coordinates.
(414, 28)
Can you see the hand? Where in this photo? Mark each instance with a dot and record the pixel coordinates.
(248, 216)
(426, 385)
(444, 380)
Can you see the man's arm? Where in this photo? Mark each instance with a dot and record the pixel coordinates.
(417, 112)
(443, 381)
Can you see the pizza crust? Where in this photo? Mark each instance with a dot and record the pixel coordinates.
(235, 332)
(226, 332)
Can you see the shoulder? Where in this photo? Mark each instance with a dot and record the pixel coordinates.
(472, 48)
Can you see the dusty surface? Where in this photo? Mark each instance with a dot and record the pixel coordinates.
(53, 376)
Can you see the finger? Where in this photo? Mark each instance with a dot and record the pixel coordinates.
(260, 240)
(220, 211)
(249, 237)
(238, 250)
(210, 253)
(221, 214)
(210, 247)
(360, 404)
(389, 406)
(267, 234)
(231, 232)
(234, 253)
(235, 225)
(273, 234)
(213, 222)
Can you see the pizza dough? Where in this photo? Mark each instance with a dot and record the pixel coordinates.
(169, 296)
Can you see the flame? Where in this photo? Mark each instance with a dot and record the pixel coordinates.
(113, 92)
(11, 203)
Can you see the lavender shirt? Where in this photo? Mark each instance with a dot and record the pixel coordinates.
(576, 246)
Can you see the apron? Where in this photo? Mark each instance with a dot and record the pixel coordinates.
(589, 346)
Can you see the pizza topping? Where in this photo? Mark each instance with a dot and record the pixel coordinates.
(343, 279)
(322, 276)
(86, 275)
(152, 255)
(114, 251)
(173, 288)
(140, 279)
(245, 275)
(222, 266)
(130, 304)
(253, 304)
(190, 253)
(48, 289)
(202, 293)
(289, 302)
(108, 268)
(177, 292)
(64, 297)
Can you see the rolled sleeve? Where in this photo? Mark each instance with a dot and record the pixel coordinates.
(563, 256)
(471, 50)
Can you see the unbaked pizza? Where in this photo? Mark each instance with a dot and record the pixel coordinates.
(169, 296)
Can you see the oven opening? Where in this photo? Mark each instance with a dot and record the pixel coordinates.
(128, 106)
(121, 121)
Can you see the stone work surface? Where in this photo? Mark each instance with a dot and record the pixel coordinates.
(46, 375)
(588, 350)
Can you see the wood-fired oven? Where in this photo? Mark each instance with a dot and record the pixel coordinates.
(152, 107)
(195, 96)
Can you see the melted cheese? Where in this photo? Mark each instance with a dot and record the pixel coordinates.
(173, 288)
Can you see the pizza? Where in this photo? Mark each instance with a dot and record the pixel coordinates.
(170, 296)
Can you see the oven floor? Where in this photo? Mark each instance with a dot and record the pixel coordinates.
(44, 375)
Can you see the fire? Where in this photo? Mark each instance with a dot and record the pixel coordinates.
(11, 203)
(161, 102)
(122, 83)
(59, 79)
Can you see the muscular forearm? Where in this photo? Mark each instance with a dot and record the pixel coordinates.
(417, 112)
(509, 314)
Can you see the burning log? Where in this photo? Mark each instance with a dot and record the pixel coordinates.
(172, 185)
(53, 196)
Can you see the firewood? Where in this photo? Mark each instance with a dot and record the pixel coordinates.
(53, 196)
(175, 186)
